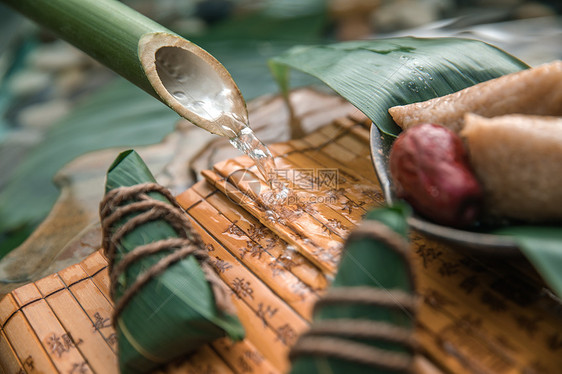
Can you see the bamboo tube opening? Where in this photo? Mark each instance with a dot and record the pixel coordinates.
(191, 82)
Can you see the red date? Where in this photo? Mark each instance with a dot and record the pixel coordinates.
(430, 170)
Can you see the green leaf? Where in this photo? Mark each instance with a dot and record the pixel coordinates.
(118, 115)
(174, 313)
(375, 75)
(367, 262)
(542, 245)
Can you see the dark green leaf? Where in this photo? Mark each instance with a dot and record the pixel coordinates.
(375, 75)
(174, 313)
(370, 263)
(542, 245)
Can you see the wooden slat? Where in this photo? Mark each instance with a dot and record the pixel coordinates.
(25, 343)
(84, 332)
(9, 359)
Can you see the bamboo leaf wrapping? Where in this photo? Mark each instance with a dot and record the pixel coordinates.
(370, 263)
(174, 313)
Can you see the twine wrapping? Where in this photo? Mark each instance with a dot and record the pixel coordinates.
(149, 209)
(330, 337)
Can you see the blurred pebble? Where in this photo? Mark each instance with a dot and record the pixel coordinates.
(28, 82)
(189, 26)
(14, 148)
(533, 10)
(404, 14)
(43, 115)
(57, 56)
(69, 81)
(497, 3)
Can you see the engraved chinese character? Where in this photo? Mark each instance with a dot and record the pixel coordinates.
(79, 368)
(100, 322)
(256, 232)
(527, 324)
(204, 369)
(28, 363)
(333, 224)
(493, 302)
(349, 205)
(448, 268)
(284, 262)
(221, 265)
(56, 345)
(254, 356)
(244, 365)
(469, 284)
(254, 249)
(264, 313)
(436, 299)
(373, 195)
(286, 334)
(299, 289)
(242, 288)
(234, 230)
(69, 342)
(112, 339)
(428, 254)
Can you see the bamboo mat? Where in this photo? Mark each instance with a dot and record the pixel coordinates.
(478, 315)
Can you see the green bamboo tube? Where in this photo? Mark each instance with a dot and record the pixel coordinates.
(130, 44)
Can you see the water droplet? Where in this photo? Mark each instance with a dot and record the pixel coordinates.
(180, 95)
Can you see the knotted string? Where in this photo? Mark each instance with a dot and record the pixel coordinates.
(148, 209)
(331, 337)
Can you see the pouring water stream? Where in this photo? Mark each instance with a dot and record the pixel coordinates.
(208, 97)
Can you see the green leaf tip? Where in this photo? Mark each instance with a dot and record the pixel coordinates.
(375, 75)
(368, 267)
(128, 169)
(175, 312)
(120, 158)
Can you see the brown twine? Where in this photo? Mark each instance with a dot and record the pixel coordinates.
(365, 295)
(363, 329)
(326, 338)
(149, 209)
(351, 351)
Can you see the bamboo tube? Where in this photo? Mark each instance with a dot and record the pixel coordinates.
(167, 66)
